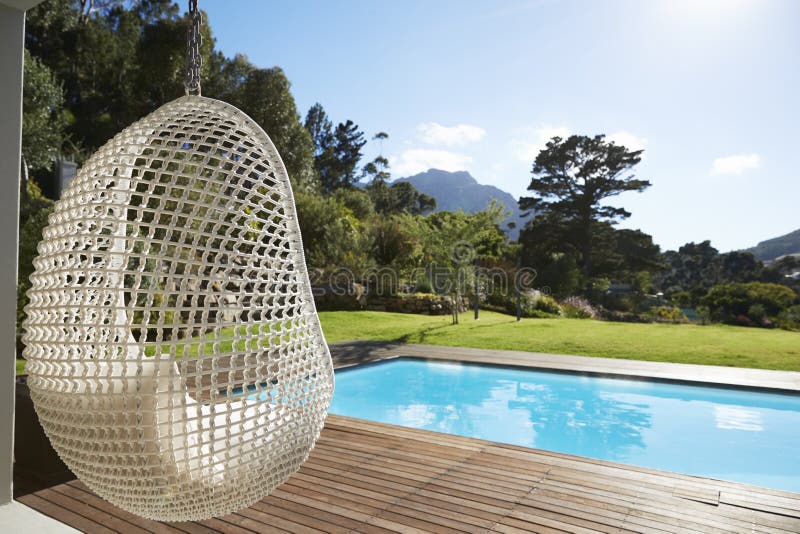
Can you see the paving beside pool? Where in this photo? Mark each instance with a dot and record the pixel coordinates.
(356, 352)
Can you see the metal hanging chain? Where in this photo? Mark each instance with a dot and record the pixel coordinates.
(193, 59)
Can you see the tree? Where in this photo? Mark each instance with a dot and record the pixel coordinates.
(320, 127)
(454, 240)
(226, 76)
(696, 267)
(337, 152)
(43, 119)
(400, 197)
(743, 303)
(347, 144)
(266, 97)
(571, 177)
(332, 236)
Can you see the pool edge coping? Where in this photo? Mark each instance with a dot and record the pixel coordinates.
(783, 382)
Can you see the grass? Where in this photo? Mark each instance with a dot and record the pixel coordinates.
(729, 346)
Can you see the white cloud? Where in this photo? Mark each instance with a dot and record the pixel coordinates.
(531, 141)
(736, 164)
(434, 133)
(628, 140)
(416, 160)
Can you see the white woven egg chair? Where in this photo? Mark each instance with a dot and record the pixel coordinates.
(175, 358)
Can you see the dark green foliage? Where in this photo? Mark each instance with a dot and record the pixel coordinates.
(748, 303)
(571, 178)
(618, 256)
(332, 236)
(397, 241)
(337, 151)
(400, 197)
(357, 201)
(789, 318)
(43, 118)
(695, 268)
(266, 97)
(689, 272)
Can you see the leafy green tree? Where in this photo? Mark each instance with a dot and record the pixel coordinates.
(333, 237)
(754, 301)
(400, 197)
(43, 118)
(226, 76)
(349, 142)
(571, 179)
(266, 97)
(320, 127)
(737, 266)
(696, 267)
(357, 201)
(454, 239)
(337, 151)
(688, 272)
(783, 271)
(397, 242)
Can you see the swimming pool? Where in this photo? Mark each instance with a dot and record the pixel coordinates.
(730, 434)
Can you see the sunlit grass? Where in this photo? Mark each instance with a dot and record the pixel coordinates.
(708, 345)
(215, 342)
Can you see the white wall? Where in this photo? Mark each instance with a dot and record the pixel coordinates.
(12, 28)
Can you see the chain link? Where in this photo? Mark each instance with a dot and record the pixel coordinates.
(193, 59)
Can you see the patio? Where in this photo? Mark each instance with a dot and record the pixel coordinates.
(371, 477)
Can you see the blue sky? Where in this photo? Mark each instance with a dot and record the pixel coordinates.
(709, 88)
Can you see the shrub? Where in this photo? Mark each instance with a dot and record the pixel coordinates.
(546, 304)
(748, 303)
(666, 314)
(578, 308)
(531, 304)
(703, 314)
(789, 319)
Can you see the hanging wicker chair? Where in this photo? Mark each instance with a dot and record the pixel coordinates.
(175, 357)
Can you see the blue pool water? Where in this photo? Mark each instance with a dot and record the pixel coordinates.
(729, 434)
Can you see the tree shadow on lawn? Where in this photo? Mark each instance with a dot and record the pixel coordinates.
(421, 334)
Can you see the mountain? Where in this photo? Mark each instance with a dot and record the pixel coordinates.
(459, 190)
(777, 246)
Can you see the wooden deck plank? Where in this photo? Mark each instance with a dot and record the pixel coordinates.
(376, 478)
(371, 477)
(62, 514)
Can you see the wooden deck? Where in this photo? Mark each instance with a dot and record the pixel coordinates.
(371, 477)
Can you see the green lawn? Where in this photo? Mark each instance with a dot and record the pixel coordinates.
(709, 345)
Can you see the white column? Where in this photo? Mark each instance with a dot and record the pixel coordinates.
(12, 33)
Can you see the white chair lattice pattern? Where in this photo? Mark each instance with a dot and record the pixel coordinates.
(175, 357)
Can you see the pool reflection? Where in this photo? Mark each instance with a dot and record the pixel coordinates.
(674, 427)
